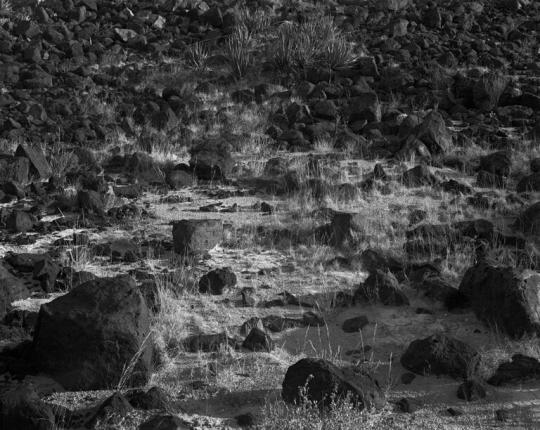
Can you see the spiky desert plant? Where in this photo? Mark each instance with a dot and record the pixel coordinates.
(316, 42)
(197, 56)
(238, 51)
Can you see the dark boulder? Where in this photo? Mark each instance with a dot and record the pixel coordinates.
(164, 422)
(440, 355)
(86, 338)
(197, 236)
(520, 369)
(258, 340)
(153, 398)
(11, 289)
(21, 408)
(529, 183)
(470, 391)
(211, 160)
(320, 381)
(39, 166)
(381, 287)
(529, 220)
(419, 176)
(215, 281)
(504, 298)
(354, 325)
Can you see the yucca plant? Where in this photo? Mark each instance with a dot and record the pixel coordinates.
(238, 51)
(256, 22)
(197, 56)
(316, 42)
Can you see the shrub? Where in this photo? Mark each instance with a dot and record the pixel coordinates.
(238, 51)
(314, 43)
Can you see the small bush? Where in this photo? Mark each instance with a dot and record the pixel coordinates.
(197, 56)
(238, 51)
(314, 43)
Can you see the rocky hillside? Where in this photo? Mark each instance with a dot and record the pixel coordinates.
(272, 214)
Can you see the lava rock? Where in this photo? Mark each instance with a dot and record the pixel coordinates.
(381, 287)
(354, 325)
(258, 340)
(520, 369)
(21, 408)
(196, 236)
(217, 280)
(471, 391)
(504, 297)
(440, 355)
(320, 381)
(85, 338)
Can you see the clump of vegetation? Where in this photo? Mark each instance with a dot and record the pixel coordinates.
(342, 414)
(238, 51)
(197, 56)
(317, 42)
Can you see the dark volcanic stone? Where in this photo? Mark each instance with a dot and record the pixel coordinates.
(504, 297)
(381, 287)
(319, 380)
(354, 325)
(11, 289)
(440, 355)
(164, 422)
(217, 280)
(152, 398)
(471, 391)
(21, 408)
(258, 340)
(520, 369)
(85, 338)
(196, 236)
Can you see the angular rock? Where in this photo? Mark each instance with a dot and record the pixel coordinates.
(86, 338)
(470, 391)
(433, 132)
(215, 281)
(440, 355)
(21, 408)
(143, 167)
(20, 222)
(39, 165)
(164, 422)
(497, 163)
(354, 325)
(381, 287)
(419, 176)
(320, 381)
(196, 236)
(504, 298)
(11, 289)
(208, 342)
(529, 183)
(529, 220)
(258, 340)
(154, 398)
(520, 369)
(211, 160)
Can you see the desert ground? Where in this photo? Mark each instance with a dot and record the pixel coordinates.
(269, 214)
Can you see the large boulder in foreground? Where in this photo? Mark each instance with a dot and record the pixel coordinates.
(21, 408)
(320, 381)
(440, 355)
(86, 338)
(504, 298)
